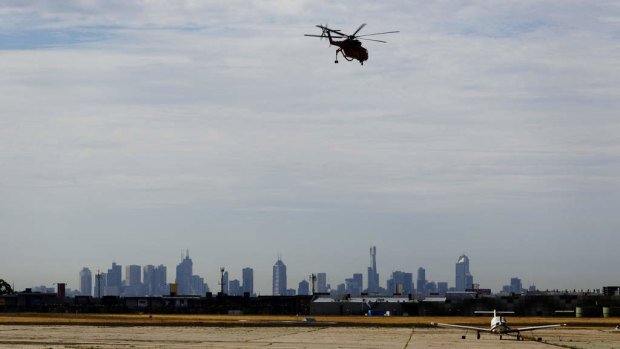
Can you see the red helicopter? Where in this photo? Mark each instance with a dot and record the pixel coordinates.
(351, 48)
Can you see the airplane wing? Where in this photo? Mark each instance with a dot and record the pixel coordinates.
(461, 326)
(534, 328)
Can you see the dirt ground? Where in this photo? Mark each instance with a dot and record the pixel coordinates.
(91, 337)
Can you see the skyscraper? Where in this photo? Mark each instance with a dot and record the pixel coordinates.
(464, 279)
(86, 282)
(132, 275)
(354, 284)
(373, 276)
(248, 280)
(321, 283)
(279, 279)
(303, 288)
(402, 279)
(154, 280)
(225, 283)
(421, 283)
(430, 287)
(515, 285)
(148, 277)
(114, 281)
(198, 285)
(160, 281)
(442, 288)
(234, 288)
(184, 276)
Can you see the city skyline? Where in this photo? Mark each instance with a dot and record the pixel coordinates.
(397, 282)
(131, 131)
(120, 279)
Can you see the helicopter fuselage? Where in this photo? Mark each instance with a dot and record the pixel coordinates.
(351, 49)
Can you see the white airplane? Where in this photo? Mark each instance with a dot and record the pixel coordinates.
(498, 325)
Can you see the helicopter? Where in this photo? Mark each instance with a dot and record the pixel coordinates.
(351, 48)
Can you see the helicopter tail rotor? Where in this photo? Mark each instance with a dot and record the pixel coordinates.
(324, 33)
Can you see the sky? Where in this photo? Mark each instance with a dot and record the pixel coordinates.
(131, 131)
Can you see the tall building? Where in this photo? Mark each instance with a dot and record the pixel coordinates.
(132, 275)
(341, 289)
(464, 279)
(86, 282)
(148, 278)
(303, 288)
(373, 276)
(354, 284)
(279, 279)
(321, 282)
(234, 288)
(442, 287)
(430, 287)
(225, 289)
(515, 285)
(248, 280)
(155, 280)
(400, 282)
(184, 276)
(198, 285)
(421, 282)
(160, 281)
(114, 281)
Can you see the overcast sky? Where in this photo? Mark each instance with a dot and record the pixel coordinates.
(133, 130)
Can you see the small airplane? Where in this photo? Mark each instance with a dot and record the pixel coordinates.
(498, 325)
(351, 48)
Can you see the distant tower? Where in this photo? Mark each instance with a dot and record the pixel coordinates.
(321, 283)
(303, 289)
(464, 279)
(248, 280)
(515, 285)
(161, 281)
(86, 282)
(113, 281)
(373, 276)
(421, 283)
(148, 279)
(225, 283)
(184, 276)
(354, 284)
(132, 275)
(442, 288)
(279, 279)
(405, 280)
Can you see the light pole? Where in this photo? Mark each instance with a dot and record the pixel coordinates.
(222, 280)
(98, 276)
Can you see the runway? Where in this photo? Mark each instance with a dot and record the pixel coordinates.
(91, 337)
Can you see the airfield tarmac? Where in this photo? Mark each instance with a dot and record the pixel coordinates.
(91, 337)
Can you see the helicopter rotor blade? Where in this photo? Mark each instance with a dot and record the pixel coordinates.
(385, 42)
(358, 29)
(324, 28)
(361, 36)
(323, 36)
